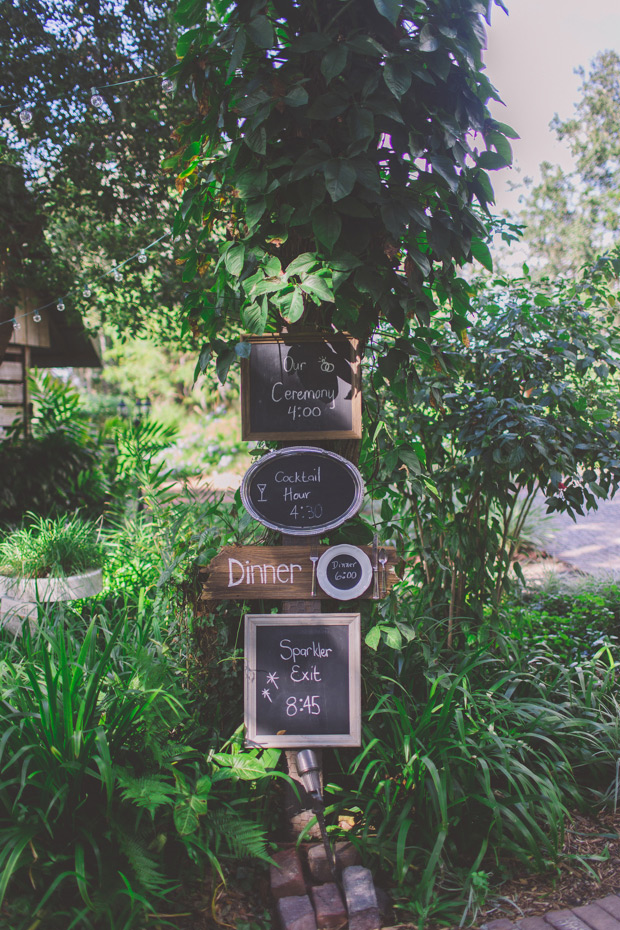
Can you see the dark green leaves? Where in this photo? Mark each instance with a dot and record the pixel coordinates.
(397, 76)
(260, 32)
(334, 61)
(389, 8)
(340, 178)
(326, 225)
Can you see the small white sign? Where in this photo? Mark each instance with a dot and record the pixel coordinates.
(344, 572)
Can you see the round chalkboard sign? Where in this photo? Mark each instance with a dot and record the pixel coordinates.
(302, 490)
(344, 572)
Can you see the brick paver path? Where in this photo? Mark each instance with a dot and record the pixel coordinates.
(603, 914)
(591, 544)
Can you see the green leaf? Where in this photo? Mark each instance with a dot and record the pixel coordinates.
(340, 178)
(334, 61)
(254, 211)
(506, 130)
(260, 32)
(428, 40)
(301, 264)
(296, 308)
(373, 637)
(185, 819)
(327, 226)
(395, 216)
(245, 767)
(393, 637)
(311, 42)
(184, 42)
(234, 260)
(328, 106)
(397, 76)
(223, 363)
(410, 459)
(389, 8)
(255, 317)
(237, 54)
(189, 11)
(481, 252)
(317, 287)
(297, 97)
(257, 140)
(190, 266)
(491, 161)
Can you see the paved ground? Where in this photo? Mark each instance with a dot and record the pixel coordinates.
(603, 914)
(592, 544)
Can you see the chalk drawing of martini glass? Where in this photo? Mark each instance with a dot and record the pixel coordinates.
(261, 489)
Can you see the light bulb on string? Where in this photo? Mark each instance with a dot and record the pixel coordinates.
(117, 275)
(96, 99)
(36, 316)
(142, 257)
(16, 325)
(87, 292)
(60, 306)
(25, 116)
(167, 85)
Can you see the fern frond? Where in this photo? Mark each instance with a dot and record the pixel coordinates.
(241, 838)
(147, 791)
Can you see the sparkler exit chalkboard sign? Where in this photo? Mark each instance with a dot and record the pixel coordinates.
(302, 680)
(301, 387)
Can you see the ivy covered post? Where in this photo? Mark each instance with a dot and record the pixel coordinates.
(335, 172)
(334, 178)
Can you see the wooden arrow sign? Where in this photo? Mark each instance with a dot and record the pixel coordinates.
(289, 573)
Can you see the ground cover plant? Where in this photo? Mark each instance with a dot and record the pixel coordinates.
(46, 547)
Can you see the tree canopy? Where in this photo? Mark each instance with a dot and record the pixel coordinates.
(571, 217)
(81, 183)
(336, 165)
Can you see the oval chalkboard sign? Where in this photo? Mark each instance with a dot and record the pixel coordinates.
(302, 490)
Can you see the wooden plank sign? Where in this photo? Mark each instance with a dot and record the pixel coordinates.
(302, 680)
(302, 490)
(301, 387)
(281, 573)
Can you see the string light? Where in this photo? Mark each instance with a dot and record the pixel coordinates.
(142, 257)
(25, 116)
(59, 302)
(96, 99)
(167, 85)
(117, 275)
(87, 292)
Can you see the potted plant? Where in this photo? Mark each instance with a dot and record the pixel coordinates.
(51, 560)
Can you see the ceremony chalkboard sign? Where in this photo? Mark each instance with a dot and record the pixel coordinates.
(305, 387)
(302, 680)
(302, 490)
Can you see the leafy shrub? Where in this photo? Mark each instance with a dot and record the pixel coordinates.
(573, 624)
(58, 468)
(471, 759)
(105, 803)
(46, 547)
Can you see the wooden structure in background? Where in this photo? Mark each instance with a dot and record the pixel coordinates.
(57, 341)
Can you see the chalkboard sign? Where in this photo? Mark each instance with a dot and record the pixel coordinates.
(306, 387)
(302, 490)
(302, 680)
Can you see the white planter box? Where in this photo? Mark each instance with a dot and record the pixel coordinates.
(46, 590)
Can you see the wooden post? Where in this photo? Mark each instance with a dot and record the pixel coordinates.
(299, 815)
